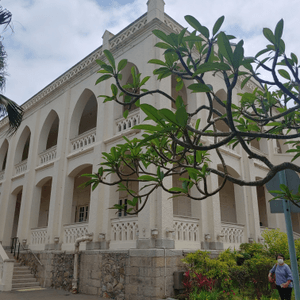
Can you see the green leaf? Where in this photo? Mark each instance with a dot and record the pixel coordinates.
(168, 115)
(181, 35)
(199, 88)
(125, 113)
(179, 85)
(224, 47)
(261, 52)
(218, 25)
(157, 62)
(161, 35)
(181, 116)
(114, 89)
(195, 24)
(269, 35)
(238, 54)
(278, 31)
(162, 45)
(122, 64)
(294, 58)
(100, 62)
(177, 189)
(110, 58)
(144, 80)
(284, 74)
(209, 66)
(102, 78)
(245, 81)
(147, 178)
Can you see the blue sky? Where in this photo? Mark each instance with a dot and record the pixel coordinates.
(50, 36)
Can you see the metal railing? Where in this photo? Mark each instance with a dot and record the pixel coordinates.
(15, 249)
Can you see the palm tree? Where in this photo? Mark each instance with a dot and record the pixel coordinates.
(8, 108)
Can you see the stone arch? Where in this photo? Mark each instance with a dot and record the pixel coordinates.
(45, 186)
(127, 79)
(228, 197)
(221, 125)
(132, 185)
(262, 205)
(49, 132)
(84, 117)
(22, 149)
(81, 197)
(3, 155)
(17, 197)
(182, 206)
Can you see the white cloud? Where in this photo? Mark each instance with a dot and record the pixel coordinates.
(51, 36)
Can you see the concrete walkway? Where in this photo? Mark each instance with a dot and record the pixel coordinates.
(46, 294)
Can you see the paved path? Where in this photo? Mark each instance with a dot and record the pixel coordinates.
(46, 294)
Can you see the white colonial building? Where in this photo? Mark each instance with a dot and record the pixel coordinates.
(65, 130)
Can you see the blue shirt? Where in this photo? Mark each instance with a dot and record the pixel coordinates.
(283, 274)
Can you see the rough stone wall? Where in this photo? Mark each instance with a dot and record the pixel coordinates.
(103, 273)
(57, 269)
(135, 274)
(149, 274)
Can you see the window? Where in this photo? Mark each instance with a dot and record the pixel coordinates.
(122, 213)
(82, 213)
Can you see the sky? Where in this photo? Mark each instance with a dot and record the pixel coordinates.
(50, 36)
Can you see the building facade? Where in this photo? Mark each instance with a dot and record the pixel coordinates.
(65, 130)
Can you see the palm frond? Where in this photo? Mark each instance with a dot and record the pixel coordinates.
(13, 111)
(5, 16)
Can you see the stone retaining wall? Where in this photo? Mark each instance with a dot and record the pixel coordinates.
(134, 274)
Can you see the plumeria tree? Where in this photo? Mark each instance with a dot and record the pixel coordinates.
(172, 144)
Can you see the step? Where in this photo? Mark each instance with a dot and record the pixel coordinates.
(23, 275)
(23, 280)
(24, 288)
(24, 284)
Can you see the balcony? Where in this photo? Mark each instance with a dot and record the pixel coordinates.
(186, 232)
(124, 233)
(123, 124)
(233, 235)
(84, 140)
(21, 167)
(47, 156)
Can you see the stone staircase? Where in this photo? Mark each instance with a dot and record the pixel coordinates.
(22, 277)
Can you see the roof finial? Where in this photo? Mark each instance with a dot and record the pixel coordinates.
(155, 10)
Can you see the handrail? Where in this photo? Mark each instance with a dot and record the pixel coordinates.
(14, 245)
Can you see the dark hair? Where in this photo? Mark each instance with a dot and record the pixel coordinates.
(279, 254)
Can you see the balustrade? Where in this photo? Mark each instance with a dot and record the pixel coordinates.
(186, 232)
(48, 155)
(74, 231)
(2, 175)
(124, 233)
(21, 167)
(38, 236)
(233, 235)
(132, 120)
(86, 139)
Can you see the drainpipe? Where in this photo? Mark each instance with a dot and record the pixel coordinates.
(87, 238)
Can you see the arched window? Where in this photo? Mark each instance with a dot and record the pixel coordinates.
(53, 133)
(23, 145)
(26, 148)
(3, 155)
(88, 118)
(220, 124)
(127, 78)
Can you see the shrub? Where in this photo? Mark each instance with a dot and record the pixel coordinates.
(258, 268)
(276, 242)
